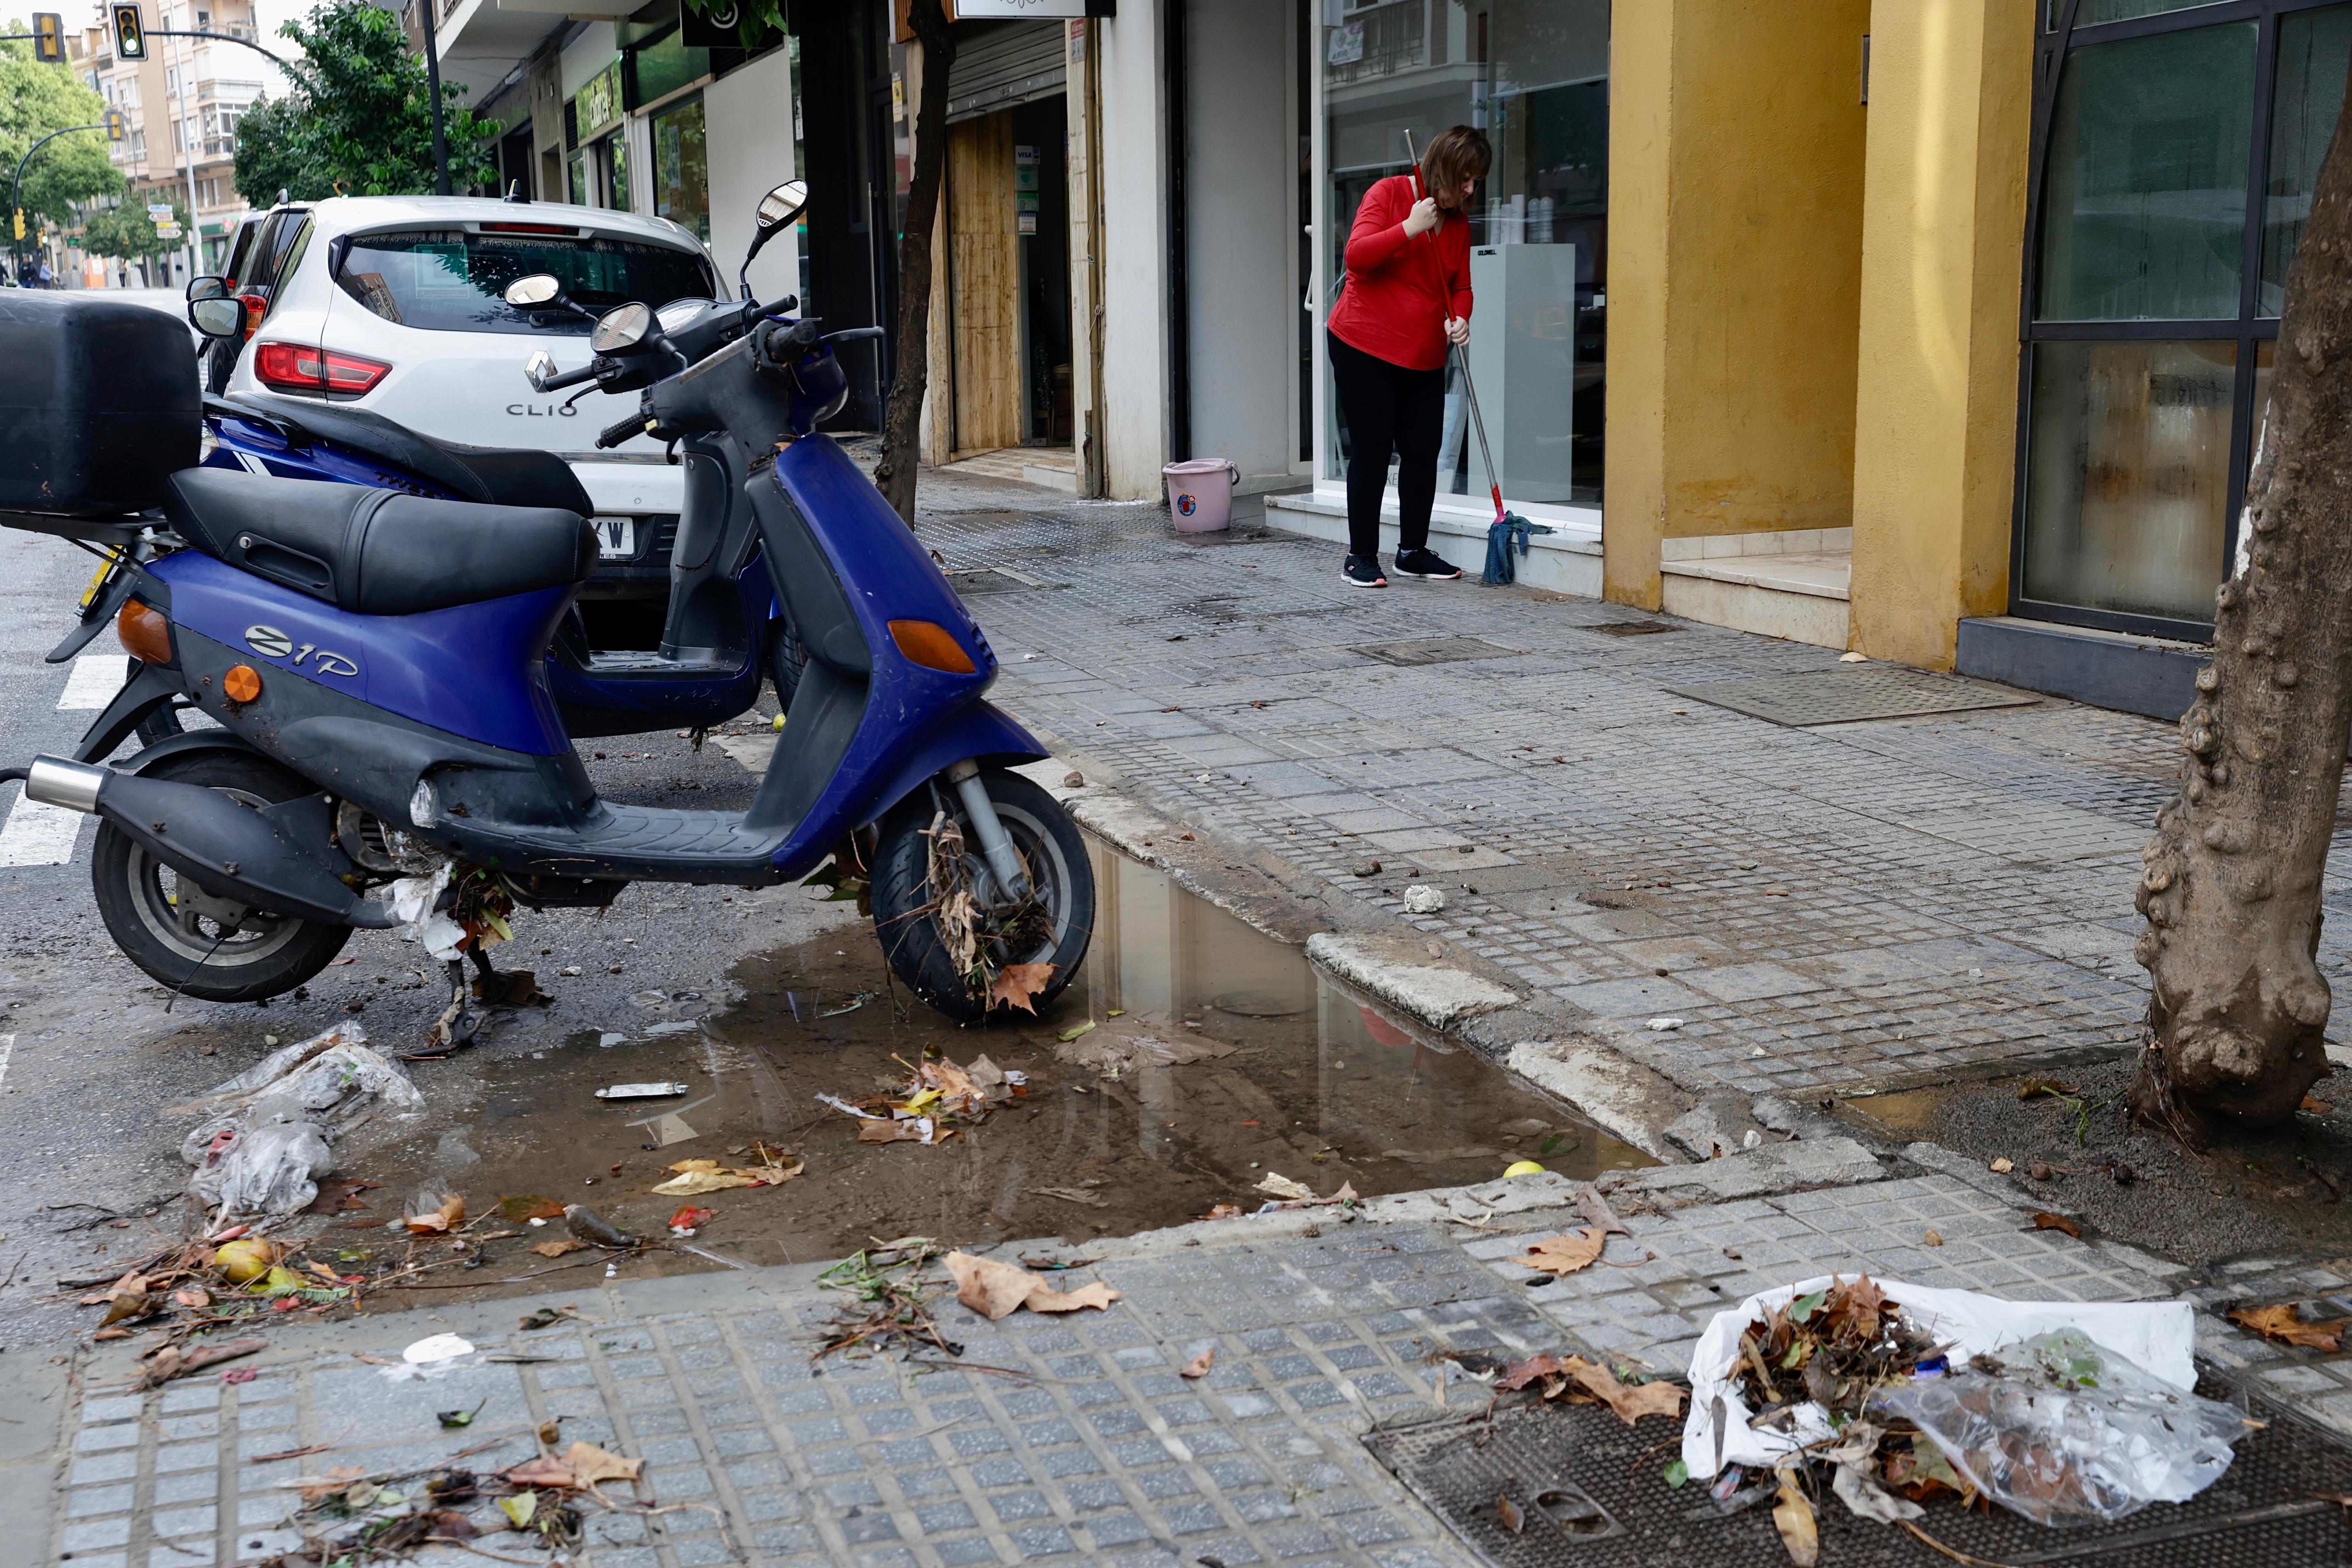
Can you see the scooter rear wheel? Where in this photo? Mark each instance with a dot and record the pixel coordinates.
(1054, 929)
(186, 941)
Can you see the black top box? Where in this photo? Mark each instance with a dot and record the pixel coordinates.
(98, 402)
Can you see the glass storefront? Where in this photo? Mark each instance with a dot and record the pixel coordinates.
(682, 168)
(2181, 153)
(1533, 75)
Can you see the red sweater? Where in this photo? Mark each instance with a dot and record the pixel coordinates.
(1399, 290)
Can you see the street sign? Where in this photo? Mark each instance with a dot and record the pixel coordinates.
(130, 34)
(48, 38)
(116, 126)
(160, 211)
(167, 231)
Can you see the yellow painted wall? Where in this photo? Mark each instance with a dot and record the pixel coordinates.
(1737, 135)
(1942, 236)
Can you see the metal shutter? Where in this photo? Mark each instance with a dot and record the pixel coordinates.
(1011, 63)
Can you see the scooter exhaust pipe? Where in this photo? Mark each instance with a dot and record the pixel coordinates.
(268, 858)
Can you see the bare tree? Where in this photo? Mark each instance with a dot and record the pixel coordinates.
(902, 421)
(2233, 882)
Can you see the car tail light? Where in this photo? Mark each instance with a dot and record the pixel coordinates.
(298, 367)
(146, 635)
(528, 228)
(256, 305)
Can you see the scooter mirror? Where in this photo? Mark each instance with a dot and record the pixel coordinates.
(217, 318)
(783, 204)
(533, 292)
(207, 289)
(622, 327)
(540, 370)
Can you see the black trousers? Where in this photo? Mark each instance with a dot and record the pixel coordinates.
(1389, 409)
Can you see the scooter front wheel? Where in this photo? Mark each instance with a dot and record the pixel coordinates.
(1052, 925)
(188, 940)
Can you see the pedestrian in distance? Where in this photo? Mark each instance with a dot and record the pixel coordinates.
(1406, 297)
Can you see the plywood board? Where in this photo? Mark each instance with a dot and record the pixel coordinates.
(984, 284)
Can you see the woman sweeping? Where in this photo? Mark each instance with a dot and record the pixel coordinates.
(1406, 297)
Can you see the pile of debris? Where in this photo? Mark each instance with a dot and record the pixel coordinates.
(263, 1138)
(933, 1103)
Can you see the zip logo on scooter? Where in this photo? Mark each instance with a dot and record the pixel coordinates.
(271, 643)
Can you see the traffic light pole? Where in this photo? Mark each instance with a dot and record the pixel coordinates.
(16, 187)
(432, 85)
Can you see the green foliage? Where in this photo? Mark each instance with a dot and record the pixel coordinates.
(35, 99)
(358, 121)
(128, 233)
(759, 20)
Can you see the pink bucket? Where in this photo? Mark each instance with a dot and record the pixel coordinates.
(1201, 493)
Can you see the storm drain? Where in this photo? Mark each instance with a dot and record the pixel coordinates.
(996, 580)
(1435, 650)
(1588, 1492)
(1843, 696)
(1630, 629)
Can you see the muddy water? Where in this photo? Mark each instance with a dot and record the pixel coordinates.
(1317, 1086)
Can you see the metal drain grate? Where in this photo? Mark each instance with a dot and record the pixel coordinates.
(1630, 629)
(1844, 696)
(1591, 1493)
(996, 580)
(1436, 650)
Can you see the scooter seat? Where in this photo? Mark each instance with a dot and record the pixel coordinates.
(493, 475)
(376, 553)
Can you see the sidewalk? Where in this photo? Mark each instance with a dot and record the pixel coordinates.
(1059, 1440)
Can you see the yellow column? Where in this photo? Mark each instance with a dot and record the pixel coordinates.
(1935, 405)
(1737, 134)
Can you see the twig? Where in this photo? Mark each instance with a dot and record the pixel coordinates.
(510, 1279)
(1955, 1556)
(468, 1546)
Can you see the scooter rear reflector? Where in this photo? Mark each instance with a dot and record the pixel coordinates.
(931, 646)
(241, 684)
(145, 635)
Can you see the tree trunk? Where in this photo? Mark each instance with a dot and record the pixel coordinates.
(2233, 882)
(902, 422)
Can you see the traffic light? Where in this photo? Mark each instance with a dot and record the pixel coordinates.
(48, 38)
(20, 223)
(116, 127)
(130, 34)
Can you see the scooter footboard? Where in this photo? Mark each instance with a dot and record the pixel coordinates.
(277, 859)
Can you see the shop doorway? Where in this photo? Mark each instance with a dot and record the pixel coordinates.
(1009, 278)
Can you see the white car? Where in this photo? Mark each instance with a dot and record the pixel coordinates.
(396, 305)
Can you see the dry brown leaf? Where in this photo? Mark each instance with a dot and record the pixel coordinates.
(2285, 1324)
(1630, 1402)
(1567, 1254)
(698, 1176)
(1509, 1512)
(2002, 1166)
(448, 1216)
(1017, 984)
(591, 1464)
(1794, 1516)
(1045, 1298)
(1595, 1208)
(994, 1290)
(1200, 1364)
(318, 1489)
(2316, 1105)
(2047, 1221)
(558, 1249)
(541, 1472)
(880, 1131)
(1519, 1374)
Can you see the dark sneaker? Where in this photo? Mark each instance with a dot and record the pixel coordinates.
(1364, 571)
(1426, 563)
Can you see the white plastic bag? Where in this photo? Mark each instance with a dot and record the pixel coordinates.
(2070, 1433)
(2157, 1337)
(413, 897)
(267, 1134)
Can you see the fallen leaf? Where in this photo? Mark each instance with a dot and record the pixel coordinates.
(591, 1464)
(1224, 1211)
(1200, 1364)
(2002, 1166)
(196, 1300)
(1630, 1401)
(540, 1472)
(2047, 1221)
(1045, 1299)
(176, 1361)
(544, 1318)
(2285, 1324)
(1017, 985)
(1794, 1516)
(2036, 1087)
(1934, 1239)
(994, 1290)
(1595, 1208)
(128, 1300)
(439, 1220)
(319, 1489)
(1567, 1254)
(1508, 1513)
(698, 1176)
(690, 1219)
(2316, 1106)
(1519, 1374)
(338, 1195)
(520, 1508)
(558, 1249)
(1066, 1036)
(531, 1207)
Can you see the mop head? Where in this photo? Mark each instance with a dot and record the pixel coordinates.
(1510, 531)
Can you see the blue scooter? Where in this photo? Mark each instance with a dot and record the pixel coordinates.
(377, 664)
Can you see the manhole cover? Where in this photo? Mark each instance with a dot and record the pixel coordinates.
(1590, 1491)
(1436, 650)
(1258, 1005)
(1843, 696)
(1630, 629)
(996, 580)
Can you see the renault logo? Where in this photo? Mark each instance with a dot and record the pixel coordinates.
(269, 641)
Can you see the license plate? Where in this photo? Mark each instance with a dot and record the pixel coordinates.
(616, 537)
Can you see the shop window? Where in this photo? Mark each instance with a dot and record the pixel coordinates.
(2156, 299)
(1533, 75)
(612, 167)
(682, 168)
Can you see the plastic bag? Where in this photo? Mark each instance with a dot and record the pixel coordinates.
(267, 1134)
(413, 900)
(2069, 1433)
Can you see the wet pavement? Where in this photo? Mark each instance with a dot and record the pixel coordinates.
(1314, 1086)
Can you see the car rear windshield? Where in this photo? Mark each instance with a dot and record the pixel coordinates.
(453, 281)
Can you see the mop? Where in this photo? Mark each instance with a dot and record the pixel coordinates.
(1508, 530)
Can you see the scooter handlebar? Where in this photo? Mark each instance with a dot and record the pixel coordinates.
(588, 372)
(623, 430)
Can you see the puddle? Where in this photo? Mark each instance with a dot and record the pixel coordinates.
(1316, 1086)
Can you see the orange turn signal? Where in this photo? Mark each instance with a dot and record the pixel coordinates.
(932, 647)
(146, 636)
(242, 683)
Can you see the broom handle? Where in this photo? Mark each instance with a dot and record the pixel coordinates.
(1494, 479)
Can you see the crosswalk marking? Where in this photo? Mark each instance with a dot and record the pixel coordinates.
(95, 678)
(7, 1045)
(37, 834)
